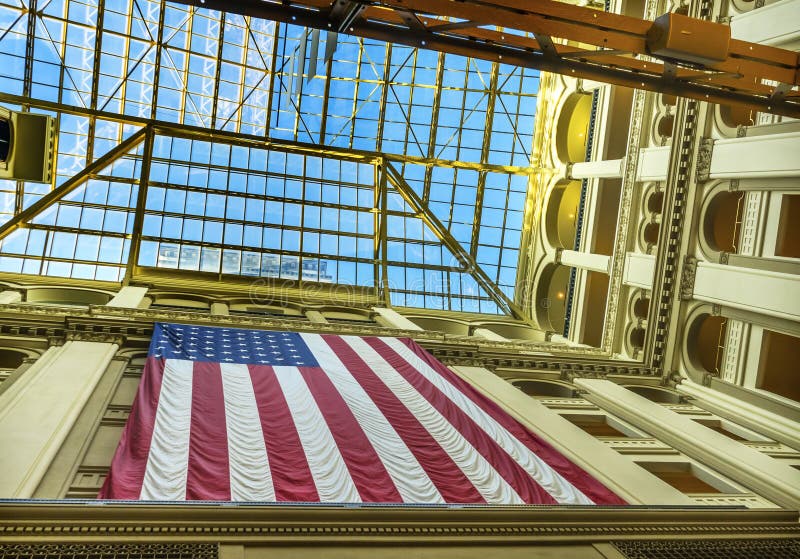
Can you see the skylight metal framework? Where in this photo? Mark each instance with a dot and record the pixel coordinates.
(545, 35)
(193, 142)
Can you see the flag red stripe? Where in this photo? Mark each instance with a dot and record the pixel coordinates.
(369, 475)
(126, 476)
(448, 478)
(291, 476)
(514, 474)
(208, 475)
(584, 482)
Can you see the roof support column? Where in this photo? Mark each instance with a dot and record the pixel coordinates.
(609, 169)
(38, 411)
(782, 429)
(765, 475)
(128, 297)
(772, 156)
(630, 481)
(393, 319)
(585, 260)
(9, 297)
(773, 294)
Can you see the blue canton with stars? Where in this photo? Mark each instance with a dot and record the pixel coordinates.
(230, 345)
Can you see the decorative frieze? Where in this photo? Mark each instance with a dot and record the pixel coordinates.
(113, 551)
(667, 549)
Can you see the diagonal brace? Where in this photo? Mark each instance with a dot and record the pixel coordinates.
(465, 259)
(23, 217)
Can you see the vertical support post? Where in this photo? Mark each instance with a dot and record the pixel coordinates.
(138, 218)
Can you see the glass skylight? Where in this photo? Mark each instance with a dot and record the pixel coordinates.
(300, 199)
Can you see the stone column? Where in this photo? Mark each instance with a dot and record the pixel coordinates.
(759, 291)
(487, 334)
(219, 308)
(773, 425)
(10, 297)
(315, 316)
(772, 24)
(774, 479)
(610, 169)
(614, 470)
(393, 319)
(639, 270)
(781, 265)
(762, 185)
(129, 297)
(653, 164)
(585, 260)
(15, 375)
(38, 411)
(771, 156)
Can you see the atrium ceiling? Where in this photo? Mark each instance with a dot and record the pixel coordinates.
(213, 144)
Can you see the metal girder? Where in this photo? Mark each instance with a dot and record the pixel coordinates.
(23, 217)
(141, 200)
(344, 13)
(185, 130)
(740, 79)
(467, 262)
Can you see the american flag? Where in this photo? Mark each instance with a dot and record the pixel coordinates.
(229, 414)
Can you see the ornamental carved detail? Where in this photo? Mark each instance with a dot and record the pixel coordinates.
(628, 189)
(704, 153)
(99, 337)
(687, 277)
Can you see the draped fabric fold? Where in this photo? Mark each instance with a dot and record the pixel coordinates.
(246, 415)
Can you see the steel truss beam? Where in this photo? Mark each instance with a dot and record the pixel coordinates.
(388, 175)
(185, 130)
(466, 261)
(740, 79)
(21, 219)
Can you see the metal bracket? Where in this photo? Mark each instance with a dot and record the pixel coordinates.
(344, 13)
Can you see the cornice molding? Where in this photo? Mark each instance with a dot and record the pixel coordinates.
(134, 326)
(56, 521)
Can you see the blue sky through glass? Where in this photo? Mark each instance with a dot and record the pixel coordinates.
(225, 209)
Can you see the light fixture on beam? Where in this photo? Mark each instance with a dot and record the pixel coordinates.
(27, 146)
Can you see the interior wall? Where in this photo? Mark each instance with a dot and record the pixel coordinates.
(778, 369)
(788, 242)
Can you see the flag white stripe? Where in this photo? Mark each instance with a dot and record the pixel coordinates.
(250, 476)
(410, 478)
(330, 473)
(489, 483)
(168, 460)
(549, 479)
